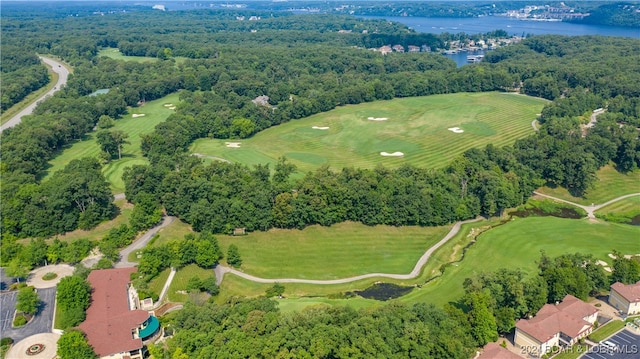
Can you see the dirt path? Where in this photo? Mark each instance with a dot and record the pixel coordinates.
(141, 243)
(221, 270)
(63, 75)
(589, 209)
(119, 196)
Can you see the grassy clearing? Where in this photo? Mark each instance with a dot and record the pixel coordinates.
(622, 211)
(611, 184)
(606, 330)
(13, 110)
(300, 295)
(115, 54)
(154, 113)
(517, 244)
(158, 282)
(180, 280)
(339, 251)
(417, 126)
(174, 231)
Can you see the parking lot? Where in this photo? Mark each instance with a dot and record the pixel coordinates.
(627, 346)
(42, 323)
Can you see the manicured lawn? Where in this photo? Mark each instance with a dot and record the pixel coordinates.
(518, 243)
(154, 112)
(174, 231)
(628, 206)
(606, 330)
(611, 184)
(342, 250)
(158, 282)
(115, 54)
(302, 294)
(417, 127)
(180, 281)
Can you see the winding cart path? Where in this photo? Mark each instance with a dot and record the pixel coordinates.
(221, 270)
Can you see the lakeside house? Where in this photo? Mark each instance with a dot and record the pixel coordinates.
(625, 297)
(115, 326)
(562, 324)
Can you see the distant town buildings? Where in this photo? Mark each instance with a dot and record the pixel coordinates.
(544, 13)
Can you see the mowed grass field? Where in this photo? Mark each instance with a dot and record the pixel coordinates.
(630, 206)
(342, 250)
(417, 127)
(610, 184)
(518, 243)
(115, 54)
(154, 112)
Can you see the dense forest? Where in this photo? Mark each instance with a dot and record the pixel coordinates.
(579, 74)
(22, 73)
(305, 66)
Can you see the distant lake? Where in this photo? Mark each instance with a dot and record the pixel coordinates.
(475, 25)
(486, 24)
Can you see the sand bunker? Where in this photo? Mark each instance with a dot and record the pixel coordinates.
(393, 154)
(171, 108)
(377, 118)
(233, 144)
(137, 115)
(604, 265)
(455, 129)
(320, 128)
(168, 105)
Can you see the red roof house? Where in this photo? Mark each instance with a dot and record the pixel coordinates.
(114, 323)
(556, 325)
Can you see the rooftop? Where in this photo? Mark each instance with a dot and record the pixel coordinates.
(566, 317)
(495, 351)
(630, 292)
(110, 323)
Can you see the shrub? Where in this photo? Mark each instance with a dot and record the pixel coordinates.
(19, 320)
(50, 276)
(5, 342)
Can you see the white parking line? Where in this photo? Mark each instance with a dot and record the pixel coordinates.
(598, 354)
(618, 338)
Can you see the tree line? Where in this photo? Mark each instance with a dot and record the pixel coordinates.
(22, 73)
(318, 77)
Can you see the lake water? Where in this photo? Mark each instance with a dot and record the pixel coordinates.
(512, 26)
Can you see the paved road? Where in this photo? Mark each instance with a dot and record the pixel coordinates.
(42, 323)
(63, 75)
(589, 209)
(141, 243)
(221, 270)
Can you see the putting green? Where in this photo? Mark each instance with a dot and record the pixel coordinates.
(420, 127)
